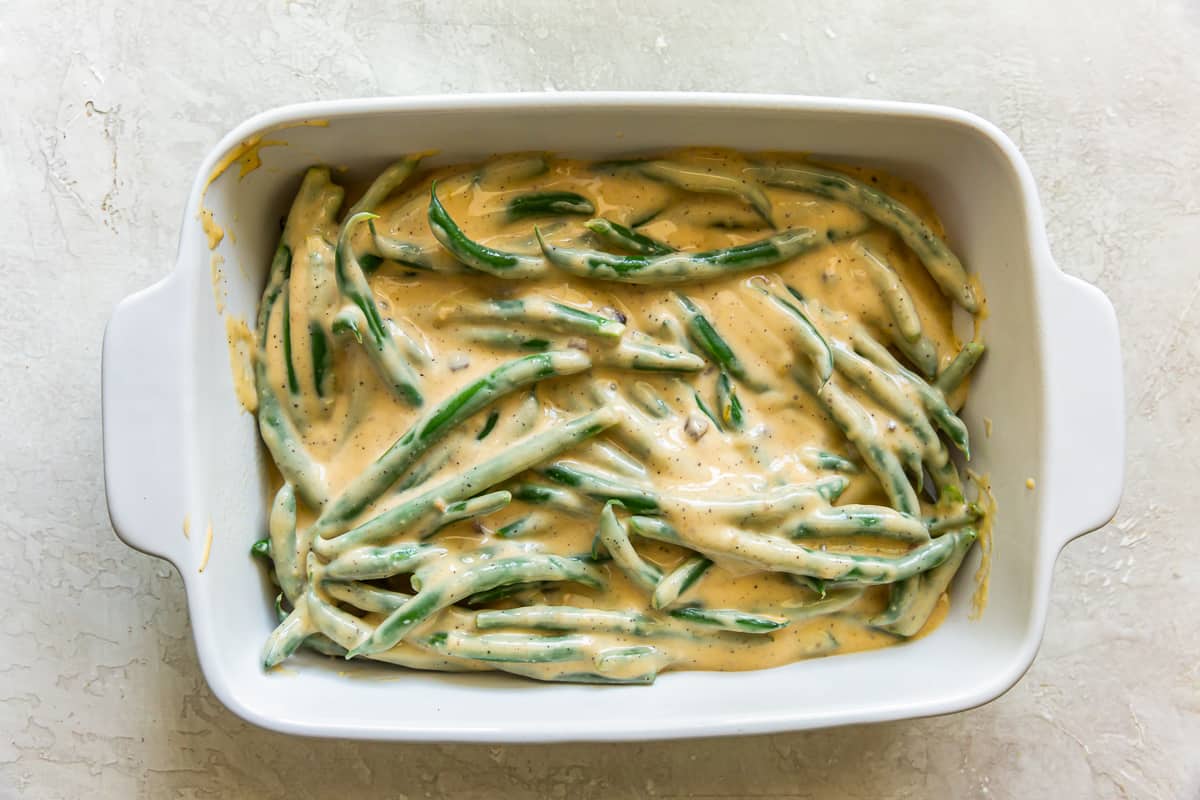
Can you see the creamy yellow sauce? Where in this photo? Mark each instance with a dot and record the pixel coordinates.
(240, 344)
(246, 153)
(983, 574)
(213, 232)
(218, 281)
(347, 430)
(207, 552)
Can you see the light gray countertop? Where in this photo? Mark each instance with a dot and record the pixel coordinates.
(109, 107)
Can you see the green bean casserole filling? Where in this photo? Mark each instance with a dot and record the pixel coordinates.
(590, 421)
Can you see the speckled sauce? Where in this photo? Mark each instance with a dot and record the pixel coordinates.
(684, 455)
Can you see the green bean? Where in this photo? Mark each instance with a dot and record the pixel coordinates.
(630, 353)
(365, 596)
(499, 173)
(957, 370)
(369, 262)
(500, 263)
(829, 603)
(526, 648)
(566, 618)
(638, 663)
(371, 563)
(286, 341)
(680, 267)
(918, 603)
(330, 630)
(427, 466)
(317, 642)
(645, 355)
(488, 425)
(287, 637)
(515, 459)
(285, 546)
(706, 411)
(261, 549)
(806, 336)
(773, 505)
(322, 358)
(320, 291)
(938, 259)
(644, 395)
(705, 181)
(429, 259)
(728, 619)
(814, 585)
(314, 208)
(277, 277)
(320, 643)
(441, 587)
(526, 525)
(921, 353)
(388, 181)
(860, 520)
(617, 235)
(678, 581)
(646, 217)
(541, 203)
(349, 320)
(733, 222)
(711, 342)
(931, 397)
(815, 458)
(774, 553)
(967, 514)
(504, 593)
(527, 414)
(611, 457)
(465, 509)
(901, 597)
(412, 348)
(381, 348)
(654, 528)
(343, 628)
(536, 312)
(552, 497)
(886, 388)
(859, 429)
(373, 481)
(601, 487)
(892, 291)
(611, 533)
(637, 433)
(728, 405)
(674, 331)
(507, 339)
(277, 430)
(406, 655)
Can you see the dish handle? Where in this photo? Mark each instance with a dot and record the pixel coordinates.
(142, 399)
(1085, 425)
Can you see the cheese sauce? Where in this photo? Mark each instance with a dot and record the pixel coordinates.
(683, 454)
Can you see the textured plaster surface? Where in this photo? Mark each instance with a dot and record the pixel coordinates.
(109, 107)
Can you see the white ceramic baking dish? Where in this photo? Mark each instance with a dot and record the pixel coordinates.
(178, 446)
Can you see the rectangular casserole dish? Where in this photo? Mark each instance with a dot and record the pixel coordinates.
(178, 446)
